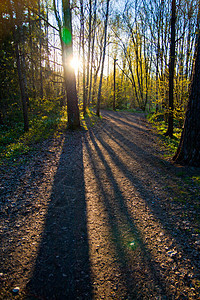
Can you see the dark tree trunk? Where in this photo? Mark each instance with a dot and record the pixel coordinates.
(67, 55)
(19, 62)
(40, 43)
(171, 73)
(70, 79)
(31, 55)
(92, 54)
(188, 151)
(1, 118)
(114, 98)
(72, 99)
(22, 89)
(24, 68)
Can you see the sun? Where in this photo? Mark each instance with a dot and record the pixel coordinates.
(75, 64)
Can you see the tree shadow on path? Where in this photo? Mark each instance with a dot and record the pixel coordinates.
(118, 152)
(62, 267)
(120, 224)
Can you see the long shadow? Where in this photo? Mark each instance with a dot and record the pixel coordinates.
(156, 208)
(62, 267)
(128, 122)
(120, 137)
(19, 200)
(119, 202)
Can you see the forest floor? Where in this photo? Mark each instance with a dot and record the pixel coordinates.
(100, 214)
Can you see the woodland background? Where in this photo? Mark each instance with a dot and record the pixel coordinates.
(121, 59)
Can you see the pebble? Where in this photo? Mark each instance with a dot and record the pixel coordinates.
(172, 253)
(16, 290)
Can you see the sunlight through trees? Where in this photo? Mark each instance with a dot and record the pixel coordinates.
(134, 55)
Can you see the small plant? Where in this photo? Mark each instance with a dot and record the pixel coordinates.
(196, 180)
(170, 145)
(15, 142)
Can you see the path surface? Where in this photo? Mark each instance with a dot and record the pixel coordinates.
(95, 216)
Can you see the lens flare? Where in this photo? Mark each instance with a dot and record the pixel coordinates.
(66, 36)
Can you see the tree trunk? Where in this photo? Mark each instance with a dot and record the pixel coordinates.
(83, 52)
(40, 43)
(92, 54)
(23, 65)
(69, 73)
(22, 88)
(89, 50)
(188, 151)
(21, 73)
(114, 100)
(171, 73)
(32, 79)
(65, 32)
(103, 59)
(72, 98)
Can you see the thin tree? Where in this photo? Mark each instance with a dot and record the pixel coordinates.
(89, 48)
(40, 45)
(114, 77)
(103, 59)
(17, 9)
(171, 73)
(82, 36)
(92, 50)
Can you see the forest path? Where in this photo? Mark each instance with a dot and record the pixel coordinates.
(99, 215)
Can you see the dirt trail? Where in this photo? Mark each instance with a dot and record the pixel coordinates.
(97, 216)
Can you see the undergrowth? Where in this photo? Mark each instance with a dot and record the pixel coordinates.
(186, 191)
(15, 142)
(170, 144)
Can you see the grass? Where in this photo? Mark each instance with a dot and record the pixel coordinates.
(185, 191)
(170, 144)
(89, 120)
(14, 142)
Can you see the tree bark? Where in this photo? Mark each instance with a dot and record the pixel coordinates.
(83, 52)
(22, 88)
(17, 9)
(188, 152)
(31, 55)
(69, 73)
(89, 49)
(40, 45)
(65, 32)
(103, 59)
(92, 54)
(171, 73)
(114, 98)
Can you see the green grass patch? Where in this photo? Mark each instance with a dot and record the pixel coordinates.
(89, 120)
(15, 142)
(196, 180)
(170, 144)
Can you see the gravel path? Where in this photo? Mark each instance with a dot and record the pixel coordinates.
(99, 214)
